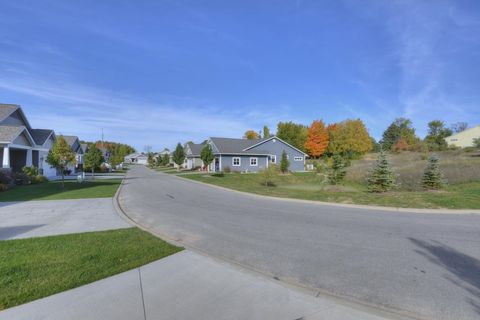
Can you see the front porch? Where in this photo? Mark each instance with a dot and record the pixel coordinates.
(15, 158)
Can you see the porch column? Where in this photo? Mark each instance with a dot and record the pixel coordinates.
(28, 161)
(6, 157)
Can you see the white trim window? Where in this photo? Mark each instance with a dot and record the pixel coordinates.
(236, 162)
(273, 158)
(253, 162)
(298, 158)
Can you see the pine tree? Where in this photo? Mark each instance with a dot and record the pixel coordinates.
(432, 176)
(284, 163)
(382, 177)
(337, 171)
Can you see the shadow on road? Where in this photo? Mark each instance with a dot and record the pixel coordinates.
(464, 269)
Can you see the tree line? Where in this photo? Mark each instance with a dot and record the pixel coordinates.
(350, 138)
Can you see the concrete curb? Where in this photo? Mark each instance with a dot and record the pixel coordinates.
(333, 204)
(342, 300)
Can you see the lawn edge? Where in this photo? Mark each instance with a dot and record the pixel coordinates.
(336, 204)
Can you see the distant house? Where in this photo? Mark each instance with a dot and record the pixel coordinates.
(465, 138)
(20, 144)
(136, 158)
(74, 143)
(253, 155)
(192, 154)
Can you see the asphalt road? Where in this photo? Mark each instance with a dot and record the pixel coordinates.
(425, 265)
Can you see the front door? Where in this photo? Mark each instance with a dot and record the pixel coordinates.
(217, 165)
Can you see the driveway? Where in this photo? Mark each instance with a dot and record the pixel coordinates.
(423, 265)
(51, 217)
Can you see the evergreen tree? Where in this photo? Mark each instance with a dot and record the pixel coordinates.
(178, 155)
(207, 155)
(432, 176)
(381, 178)
(284, 163)
(337, 171)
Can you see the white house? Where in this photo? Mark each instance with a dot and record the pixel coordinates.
(136, 158)
(465, 138)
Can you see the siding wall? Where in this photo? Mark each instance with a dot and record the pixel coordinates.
(244, 163)
(276, 148)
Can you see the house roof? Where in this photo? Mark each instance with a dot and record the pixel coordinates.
(70, 139)
(84, 146)
(40, 135)
(10, 133)
(196, 148)
(270, 138)
(234, 146)
(7, 109)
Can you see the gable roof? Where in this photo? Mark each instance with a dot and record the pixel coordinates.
(196, 148)
(70, 139)
(464, 132)
(40, 135)
(84, 147)
(9, 133)
(270, 138)
(8, 109)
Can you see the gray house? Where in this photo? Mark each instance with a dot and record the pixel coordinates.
(76, 146)
(192, 153)
(253, 155)
(20, 144)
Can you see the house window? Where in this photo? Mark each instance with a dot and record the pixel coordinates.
(273, 159)
(298, 158)
(236, 162)
(253, 162)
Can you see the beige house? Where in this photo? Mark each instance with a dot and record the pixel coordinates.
(465, 138)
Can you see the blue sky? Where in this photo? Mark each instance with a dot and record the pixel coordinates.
(158, 72)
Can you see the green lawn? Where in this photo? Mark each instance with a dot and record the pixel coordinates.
(311, 187)
(38, 267)
(53, 190)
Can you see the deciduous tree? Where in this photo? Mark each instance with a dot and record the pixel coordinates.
(93, 159)
(317, 139)
(401, 128)
(284, 163)
(349, 138)
(60, 156)
(266, 132)
(292, 133)
(437, 132)
(251, 135)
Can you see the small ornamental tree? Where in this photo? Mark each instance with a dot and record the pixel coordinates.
(93, 159)
(178, 156)
(60, 156)
(268, 175)
(284, 163)
(381, 178)
(207, 155)
(337, 171)
(165, 159)
(432, 176)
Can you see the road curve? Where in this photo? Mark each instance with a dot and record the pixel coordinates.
(423, 265)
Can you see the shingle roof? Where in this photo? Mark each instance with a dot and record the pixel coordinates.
(236, 146)
(196, 148)
(7, 109)
(70, 139)
(40, 135)
(9, 133)
(84, 146)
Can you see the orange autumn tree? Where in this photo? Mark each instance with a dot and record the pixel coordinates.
(317, 139)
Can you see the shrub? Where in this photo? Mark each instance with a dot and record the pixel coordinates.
(30, 171)
(337, 171)
(476, 142)
(469, 149)
(218, 175)
(381, 178)
(22, 179)
(40, 179)
(227, 169)
(432, 176)
(268, 175)
(3, 187)
(7, 178)
(103, 168)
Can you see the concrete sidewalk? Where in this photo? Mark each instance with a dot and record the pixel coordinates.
(52, 217)
(188, 286)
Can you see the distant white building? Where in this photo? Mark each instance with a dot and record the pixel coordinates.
(465, 138)
(136, 158)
